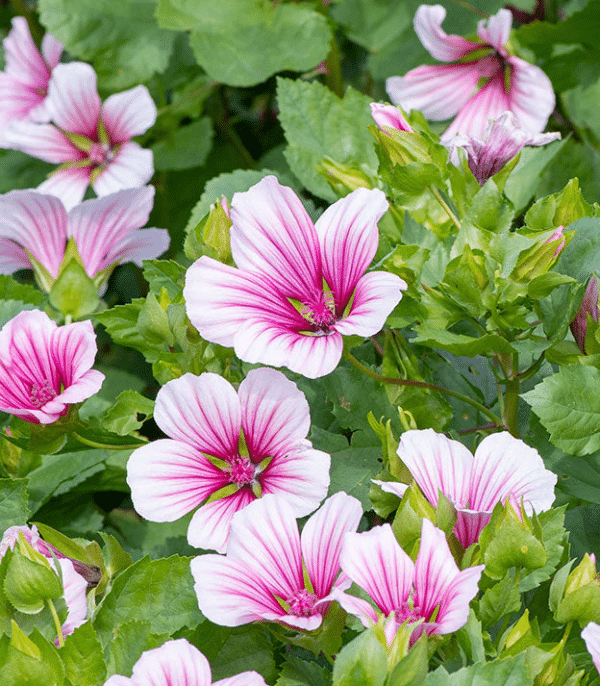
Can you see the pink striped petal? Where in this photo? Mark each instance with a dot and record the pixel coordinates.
(503, 466)
(230, 594)
(74, 594)
(12, 257)
(132, 166)
(300, 476)
(264, 536)
(175, 663)
(531, 96)
(69, 185)
(375, 297)
(275, 413)
(446, 48)
(356, 606)
(323, 536)
(38, 223)
(439, 91)
(43, 141)
(23, 60)
(489, 103)
(101, 227)
(140, 245)
(439, 583)
(19, 101)
(210, 525)
(243, 679)
(267, 342)
(128, 114)
(469, 524)
(202, 411)
(495, 31)
(348, 236)
(376, 563)
(388, 115)
(52, 50)
(272, 234)
(73, 99)
(169, 478)
(437, 463)
(591, 636)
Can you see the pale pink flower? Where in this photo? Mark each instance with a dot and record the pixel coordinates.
(591, 636)
(274, 308)
(431, 591)
(443, 91)
(503, 139)
(249, 443)
(74, 585)
(589, 306)
(91, 140)
(45, 368)
(503, 468)
(35, 228)
(271, 572)
(178, 663)
(24, 81)
(388, 115)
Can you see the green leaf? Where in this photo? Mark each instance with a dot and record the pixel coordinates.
(29, 584)
(373, 24)
(11, 308)
(510, 671)
(513, 546)
(18, 170)
(582, 256)
(14, 510)
(568, 406)
(22, 669)
(121, 40)
(187, 147)
(352, 470)
(83, 657)
(502, 599)
(127, 642)
(164, 274)
(121, 324)
(362, 662)
(555, 540)
(312, 118)
(122, 418)
(459, 344)
(297, 672)
(411, 670)
(160, 592)
(14, 290)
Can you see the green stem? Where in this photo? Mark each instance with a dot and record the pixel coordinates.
(438, 196)
(104, 446)
(510, 365)
(333, 78)
(57, 624)
(215, 107)
(420, 384)
(471, 8)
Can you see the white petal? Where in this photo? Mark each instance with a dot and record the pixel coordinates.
(133, 166)
(428, 26)
(128, 114)
(210, 525)
(73, 99)
(175, 663)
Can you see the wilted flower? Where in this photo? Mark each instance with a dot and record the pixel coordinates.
(484, 81)
(230, 448)
(74, 585)
(431, 592)
(503, 468)
(263, 576)
(388, 115)
(178, 663)
(24, 81)
(298, 287)
(35, 230)
(503, 139)
(589, 307)
(591, 636)
(44, 367)
(91, 140)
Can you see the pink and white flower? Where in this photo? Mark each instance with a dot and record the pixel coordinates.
(589, 307)
(503, 468)
(24, 81)
(430, 592)
(591, 636)
(298, 287)
(503, 139)
(239, 446)
(390, 116)
(45, 368)
(35, 229)
(262, 576)
(91, 140)
(178, 663)
(74, 585)
(475, 87)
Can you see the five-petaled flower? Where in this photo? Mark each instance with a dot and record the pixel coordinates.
(503, 468)
(178, 663)
(91, 140)
(431, 593)
(298, 287)
(238, 446)
(74, 584)
(44, 367)
(503, 139)
(484, 81)
(271, 572)
(35, 230)
(24, 81)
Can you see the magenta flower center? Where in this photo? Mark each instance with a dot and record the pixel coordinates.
(243, 471)
(320, 312)
(302, 603)
(41, 393)
(409, 614)
(100, 153)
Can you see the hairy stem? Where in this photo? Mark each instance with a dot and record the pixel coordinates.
(438, 196)
(104, 446)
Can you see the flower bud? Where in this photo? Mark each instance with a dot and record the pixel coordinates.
(584, 326)
(581, 594)
(390, 116)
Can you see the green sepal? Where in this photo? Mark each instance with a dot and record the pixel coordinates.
(28, 583)
(210, 236)
(74, 293)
